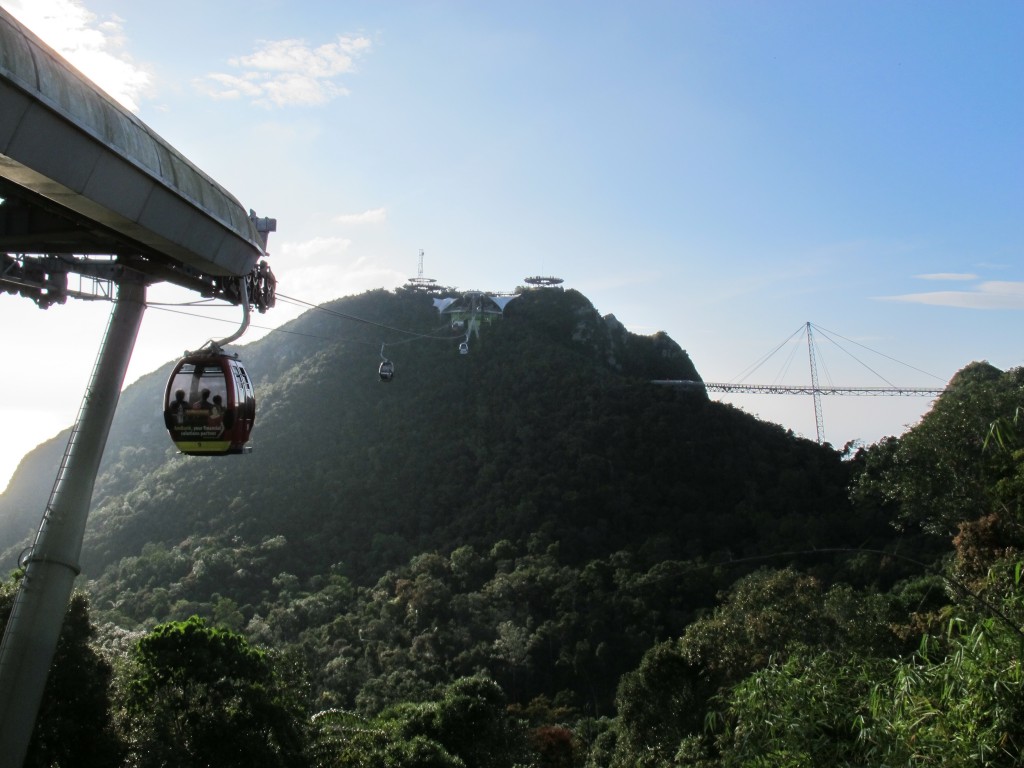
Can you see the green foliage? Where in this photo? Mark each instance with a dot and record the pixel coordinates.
(332, 538)
(469, 725)
(342, 740)
(939, 473)
(960, 700)
(339, 739)
(768, 611)
(659, 705)
(997, 537)
(666, 705)
(75, 725)
(470, 721)
(806, 709)
(957, 701)
(532, 556)
(198, 695)
(826, 697)
(577, 502)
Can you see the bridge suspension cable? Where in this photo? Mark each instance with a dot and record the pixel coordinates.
(814, 389)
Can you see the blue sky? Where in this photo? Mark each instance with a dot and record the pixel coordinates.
(721, 171)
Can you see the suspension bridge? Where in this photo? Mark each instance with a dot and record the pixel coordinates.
(814, 389)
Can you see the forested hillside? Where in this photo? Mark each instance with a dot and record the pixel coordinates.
(532, 555)
(549, 424)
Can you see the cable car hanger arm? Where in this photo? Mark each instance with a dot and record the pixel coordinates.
(217, 346)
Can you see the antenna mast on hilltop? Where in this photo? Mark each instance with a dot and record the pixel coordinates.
(421, 283)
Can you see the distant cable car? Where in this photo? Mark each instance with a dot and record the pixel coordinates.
(386, 371)
(209, 404)
(464, 348)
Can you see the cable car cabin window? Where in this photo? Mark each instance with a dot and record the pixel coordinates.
(245, 397)
(209, 406)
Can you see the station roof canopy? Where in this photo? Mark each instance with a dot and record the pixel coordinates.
(80, 174)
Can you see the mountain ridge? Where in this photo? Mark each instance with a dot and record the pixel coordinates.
(22, 503)
(550, 421)
(537, 508)
(615, 559)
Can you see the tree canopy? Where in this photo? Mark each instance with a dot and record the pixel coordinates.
(199, 696)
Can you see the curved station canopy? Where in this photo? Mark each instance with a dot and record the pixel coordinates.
(79, 174)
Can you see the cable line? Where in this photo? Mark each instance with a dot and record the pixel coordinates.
(413, 335)
(169, 308)
(815, 389)
(354, 318)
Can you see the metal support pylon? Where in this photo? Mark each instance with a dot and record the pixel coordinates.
(51, 566)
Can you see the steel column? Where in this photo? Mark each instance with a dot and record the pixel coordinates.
(34, 627)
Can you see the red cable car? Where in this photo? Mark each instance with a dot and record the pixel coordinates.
(209, 404)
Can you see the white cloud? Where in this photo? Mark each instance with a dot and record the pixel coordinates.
(947, 276)
(293, 88)
(323, 61)
(288, 72)
(232, 87)
(94, 46)
(317, 249)
(372, 216)
(324, 269)
(988, 295)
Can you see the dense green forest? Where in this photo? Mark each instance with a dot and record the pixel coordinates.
(531, 555)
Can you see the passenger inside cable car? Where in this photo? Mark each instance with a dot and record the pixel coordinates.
(209, 405)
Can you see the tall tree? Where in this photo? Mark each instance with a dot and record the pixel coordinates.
(471, 721)
(939, 474)
(75, 725)
(201, 696)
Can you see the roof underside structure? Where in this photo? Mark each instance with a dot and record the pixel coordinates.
(475, 302)
(80, 174)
